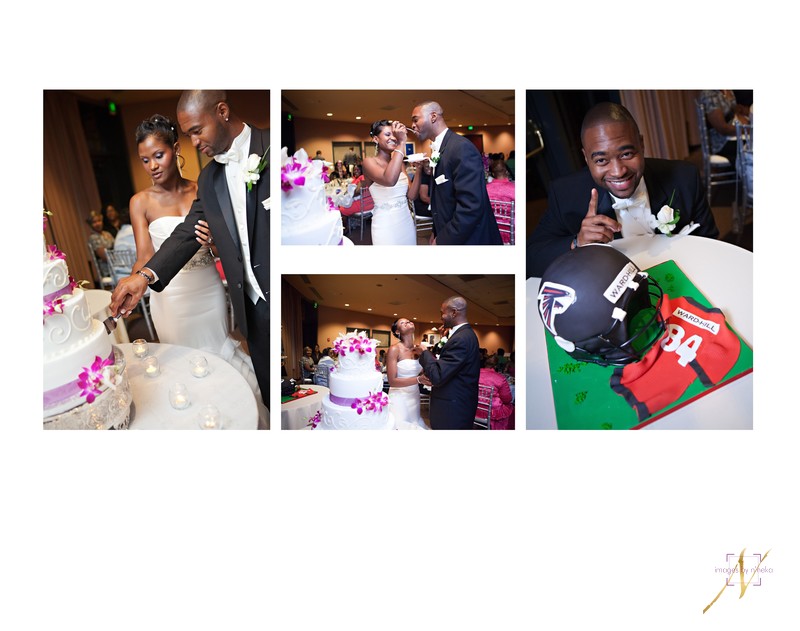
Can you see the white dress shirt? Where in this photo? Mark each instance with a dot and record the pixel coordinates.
(633, 213)
(235, 161)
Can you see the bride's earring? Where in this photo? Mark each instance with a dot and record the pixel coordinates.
(181, 162)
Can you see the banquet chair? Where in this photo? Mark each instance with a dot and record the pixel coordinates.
(103, 282)
(483, 415)
(306, 376)
(423, 223)
(321, 374)
(121, 263)
(365, 205)
(504, 214)
(717, 170)
(743, 207)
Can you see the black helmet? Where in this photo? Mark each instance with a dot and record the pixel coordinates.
(599, 306)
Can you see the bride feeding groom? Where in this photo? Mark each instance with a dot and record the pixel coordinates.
(460, 205)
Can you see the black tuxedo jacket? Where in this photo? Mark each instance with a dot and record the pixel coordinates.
(454, 396)
(460, 206)
(213, 204)
(568, 203)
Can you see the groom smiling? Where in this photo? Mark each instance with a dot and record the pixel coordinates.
(462, 214)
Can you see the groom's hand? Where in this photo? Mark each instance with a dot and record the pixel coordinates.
(417, 351)
(127, 294)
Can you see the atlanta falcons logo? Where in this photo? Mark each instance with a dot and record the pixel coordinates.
(554, 299)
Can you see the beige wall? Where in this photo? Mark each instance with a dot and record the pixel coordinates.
(251, 105)
(313, 135)
(333, 321)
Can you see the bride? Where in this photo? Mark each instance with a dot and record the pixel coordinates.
(385, 174)
(191, 310)
(405, 376)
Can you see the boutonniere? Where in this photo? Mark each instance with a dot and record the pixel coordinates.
(667, 218)
(435, 157)
(255, 165)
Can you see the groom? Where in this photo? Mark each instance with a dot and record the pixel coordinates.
(237, 219)
(462, 214)
(454, 376)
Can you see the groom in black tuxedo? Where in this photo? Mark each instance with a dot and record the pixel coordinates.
(454, 375)
(462, 214)
(236, 217)
(617, 177)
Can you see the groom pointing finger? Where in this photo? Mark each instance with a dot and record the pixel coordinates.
(454, 375)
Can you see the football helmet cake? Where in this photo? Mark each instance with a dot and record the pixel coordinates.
(599, 306)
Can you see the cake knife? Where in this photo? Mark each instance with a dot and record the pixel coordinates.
(111, 322)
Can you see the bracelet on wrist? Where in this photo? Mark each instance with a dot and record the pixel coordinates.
(402, 155)
(147, 276)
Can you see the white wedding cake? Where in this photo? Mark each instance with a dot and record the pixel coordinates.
(308, 215)
(85, 385)
(356, 399)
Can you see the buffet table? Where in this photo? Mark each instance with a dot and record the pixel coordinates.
(295, 414)
(223, 387)
(723, 273)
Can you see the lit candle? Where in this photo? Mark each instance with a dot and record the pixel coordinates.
(199, 366)
(210, 417)
(151, 368)
(140, 348)
(179, 396)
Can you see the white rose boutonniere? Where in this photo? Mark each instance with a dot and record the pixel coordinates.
(252, 170)
(434, 159)
(666, 219)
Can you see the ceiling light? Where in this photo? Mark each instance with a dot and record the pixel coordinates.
(347, 304)
(329, 114)
(358, 118)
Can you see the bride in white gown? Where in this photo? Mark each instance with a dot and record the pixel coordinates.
(385, 174)
(405, 376)
(191, 311)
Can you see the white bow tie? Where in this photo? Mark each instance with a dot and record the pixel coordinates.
(639, 198)
(231, 155)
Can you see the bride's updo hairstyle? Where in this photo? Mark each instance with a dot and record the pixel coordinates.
(394, 328)
(159, 126)
(377, 126)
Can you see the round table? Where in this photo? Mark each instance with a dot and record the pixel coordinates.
(723, 273)
(223, 387)
(295, 414)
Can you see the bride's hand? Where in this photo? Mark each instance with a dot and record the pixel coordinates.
(203, 233)
(424, 380)
(400, 132)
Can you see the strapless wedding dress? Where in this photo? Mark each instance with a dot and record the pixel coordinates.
(192, 311)
(392, 223)
(404, 402)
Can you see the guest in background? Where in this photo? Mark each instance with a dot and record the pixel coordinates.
(316, 354)
(318, 156)
(125, 238)
(501, 361)
(339, 172)
(307, 363)
(510, 163)
(326, 359)
(350, 159)
(500, 188)
(422, 201)
(722, 111)
(100, 240)
(111, 220)
(502, 405)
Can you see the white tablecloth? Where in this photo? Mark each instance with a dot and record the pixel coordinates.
(223, 387)
(295, 414)
(723, 273)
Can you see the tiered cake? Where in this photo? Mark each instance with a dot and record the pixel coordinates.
(308, 216)
(85, 385)
(356, 399)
